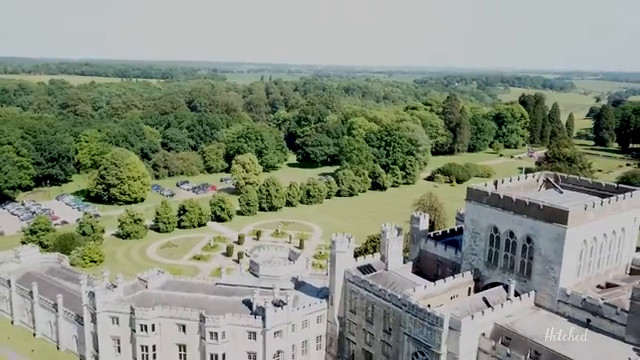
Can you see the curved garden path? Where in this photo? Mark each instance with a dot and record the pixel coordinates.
(217, 260)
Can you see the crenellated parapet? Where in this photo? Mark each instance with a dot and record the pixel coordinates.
(464, 279)
(508, 307)
(593, 305)
(342, 242)
(505, 195)
(402, 301)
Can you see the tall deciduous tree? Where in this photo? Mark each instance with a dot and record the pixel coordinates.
(265, 142)
(221, 208)
(121, 179)
(483, 132)
(430, 204)
(191, 215)
(570, 125)
(131, 225)
(91, 147)
(348, 183)
(213, 158)
(628, 128)
(17, 172)
(293, 194)
(512, 122)
(604, 125)
(246, 170)
(271, 195)
(90, 228)
(165, 219)
(39, 232)
(248, 201)
(537, 110)
(313, 192)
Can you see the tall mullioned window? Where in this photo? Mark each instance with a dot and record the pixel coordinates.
(493, 256)
(581, 258)
(611, 250)
(526, 258)
(591, 256)
(370, 312)
(620, 247)
(510, 250)
(601, 249)
(353, 302)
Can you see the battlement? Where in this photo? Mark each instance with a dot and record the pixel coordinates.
(593, 305)
(510, 194)
(420, 220)
(153, 277)
(276, 261)
(360, 260)
(432, 288)
(442, 250)
(508, 307)
(446, 233)
(342, 242)
(391, 231)
(402, 301)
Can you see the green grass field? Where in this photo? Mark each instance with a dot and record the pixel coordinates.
(569, 102)
(178, 248)
(21, 341)
(603, 85)
(73, 79)
(246, 78)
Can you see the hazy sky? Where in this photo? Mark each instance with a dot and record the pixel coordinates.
(559, 34)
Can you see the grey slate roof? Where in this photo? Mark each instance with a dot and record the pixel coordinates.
(217, 305)
(49, 287)
(396, 281)
(566, 199)
(476, 303)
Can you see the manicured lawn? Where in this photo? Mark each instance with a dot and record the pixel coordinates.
(178, 248)
(288, 226)
(21, 341)
(246, 78)
(73, 79)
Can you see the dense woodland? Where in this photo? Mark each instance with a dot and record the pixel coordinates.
(380, 131)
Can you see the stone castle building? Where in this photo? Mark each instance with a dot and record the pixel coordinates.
(157, 316)
(531, 260)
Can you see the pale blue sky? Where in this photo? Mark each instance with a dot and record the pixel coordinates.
(541, 34)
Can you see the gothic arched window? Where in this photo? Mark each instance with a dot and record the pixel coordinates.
(611, 250)
(493, 256)
(601, 250)
(420, 355)
(526, 258)
(510, 250)
(581, 258)
(619, 248)
(591, 255)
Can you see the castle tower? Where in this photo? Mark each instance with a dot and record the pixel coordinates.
(419, 224)
(391, 246)
(340, 259)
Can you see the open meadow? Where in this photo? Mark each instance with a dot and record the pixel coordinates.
(73, 79)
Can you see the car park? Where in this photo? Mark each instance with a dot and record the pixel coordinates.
(184, 185)
(156, 188)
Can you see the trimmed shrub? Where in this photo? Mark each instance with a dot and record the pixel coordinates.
(230, 250)
(240, 255)
(453, 172)
(481, 171)
(241, 239)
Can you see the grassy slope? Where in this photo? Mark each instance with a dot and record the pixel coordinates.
(22, 342)
(181, 248)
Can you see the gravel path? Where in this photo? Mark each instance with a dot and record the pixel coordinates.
(218, 260)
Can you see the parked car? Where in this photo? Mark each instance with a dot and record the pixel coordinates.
(184, 185)
(167, 193)
(156, 188)
(226, 180)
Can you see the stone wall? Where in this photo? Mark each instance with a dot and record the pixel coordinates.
(549, 248)
(593, 312)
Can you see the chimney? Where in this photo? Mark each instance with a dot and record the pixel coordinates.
(511, 289)
(254, 300)
(276, 292)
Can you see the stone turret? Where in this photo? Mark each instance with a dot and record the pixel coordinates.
(419, 223)
(460, 217)
(340, 259)
(391, 246)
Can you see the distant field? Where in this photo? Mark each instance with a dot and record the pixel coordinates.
(634, 98)
(73, 79)
(569, 102)
(246, 78)
(603, 85)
